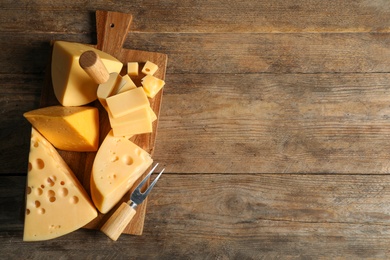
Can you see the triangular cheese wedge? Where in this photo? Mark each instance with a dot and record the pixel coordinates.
(56, 203)
(118, 164)
(67, 128)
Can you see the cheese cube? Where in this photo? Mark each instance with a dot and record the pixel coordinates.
(56, 203)
(127, 102)
(67, 128)
(117, 165)
(132, 68)
(152, 85)
(72, 85)
(126, 84)
(149, 68)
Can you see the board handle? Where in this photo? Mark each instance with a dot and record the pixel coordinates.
(112, 29)
(115, 225)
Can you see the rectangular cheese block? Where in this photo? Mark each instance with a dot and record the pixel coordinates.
(137, 122)
(132, 68)
(72, 85)
(117, 166)
(56, 202)
(127, 102)
(67, 128)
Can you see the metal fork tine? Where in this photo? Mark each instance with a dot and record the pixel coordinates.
(153, 183)
(142, 183)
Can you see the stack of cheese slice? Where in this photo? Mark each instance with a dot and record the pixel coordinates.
(56, 203)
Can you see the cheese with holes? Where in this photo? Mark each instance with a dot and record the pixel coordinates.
(149, 68)
(67, 128)
(152, 85)
(127, 102)
(72, 85)
(117, 165)
(56, 203)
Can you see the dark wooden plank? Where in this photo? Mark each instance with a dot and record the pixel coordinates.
(275, 123)
(202, 16)
(224, 52)
(230, 216)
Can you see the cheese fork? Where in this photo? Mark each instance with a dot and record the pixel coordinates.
(115, 225)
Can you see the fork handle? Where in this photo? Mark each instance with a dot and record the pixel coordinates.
(115, 225)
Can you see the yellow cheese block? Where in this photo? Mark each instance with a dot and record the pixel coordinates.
(126, 84)
(149, 68)
(56, 203)
(108, 88)
(132, 68)
(152, 85)
(67, 128)
(72, 85)
(127, 102)
(137, 122)
(117, 165)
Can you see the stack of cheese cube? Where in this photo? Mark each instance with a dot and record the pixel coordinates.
(127, 105)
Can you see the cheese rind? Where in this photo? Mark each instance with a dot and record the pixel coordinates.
(117, 165)
(67, 128)
(127, 102)
(72, 85)
(56, 202)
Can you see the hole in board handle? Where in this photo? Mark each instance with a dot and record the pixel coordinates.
(112, 25)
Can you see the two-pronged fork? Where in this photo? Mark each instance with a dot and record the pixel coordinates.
(115, 225)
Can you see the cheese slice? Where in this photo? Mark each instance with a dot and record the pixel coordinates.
(108, 88)
(137, 122)
(72, 85)
(56, 203)
(126, 84)
(117, 165)
(127, 102)
(152, 85)
(67, 128)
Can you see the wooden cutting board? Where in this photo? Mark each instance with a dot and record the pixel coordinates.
(112, 30)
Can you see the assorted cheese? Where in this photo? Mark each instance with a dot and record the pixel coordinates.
(72, 85)
(117, 165)
(67, 128)
(56, 203)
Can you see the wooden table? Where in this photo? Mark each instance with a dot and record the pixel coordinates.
(275, 127)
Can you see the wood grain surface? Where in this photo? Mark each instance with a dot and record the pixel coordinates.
(274, 127)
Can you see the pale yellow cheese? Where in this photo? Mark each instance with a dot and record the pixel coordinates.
(132, 68)
(149, 68)
(67, 128)
(152, 85)
(72, 85)
(117, 165)
(137, 122)
(56, 203)
(127, 102)
(126, 84)
(108, 88)
(153, 115)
